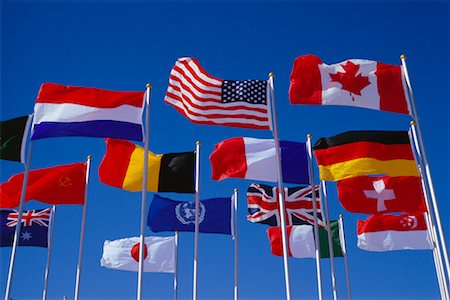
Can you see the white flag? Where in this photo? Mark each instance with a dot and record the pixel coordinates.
(123, 254)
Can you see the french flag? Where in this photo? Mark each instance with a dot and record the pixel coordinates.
(91, 112)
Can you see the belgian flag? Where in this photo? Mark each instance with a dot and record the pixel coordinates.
(357, 153)
(123, 165)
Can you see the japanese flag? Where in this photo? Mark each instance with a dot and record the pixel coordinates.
(123, 254)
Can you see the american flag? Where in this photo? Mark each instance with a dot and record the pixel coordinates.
(30, 217)
(263, 206)
(204, 99)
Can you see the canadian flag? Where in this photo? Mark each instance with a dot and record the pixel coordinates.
(354, 82)
(388, 232)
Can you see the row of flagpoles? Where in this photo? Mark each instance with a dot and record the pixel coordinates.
(433, 217)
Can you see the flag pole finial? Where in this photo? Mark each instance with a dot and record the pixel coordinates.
(89, 157)
(271, 74)
(149, 85)
(403, 56)
(309, 135)
(197, 142)
(412, 123)
(235, 190)
(341, 216)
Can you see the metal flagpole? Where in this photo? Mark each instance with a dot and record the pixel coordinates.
(175, 274)
(280, 188)
(431, 228)
(316, 229)
(344, 252)
(235, 237)
(327, 221)
(83, 225)
(49, 251)
(144, 191)
(197, 223)
(19, 223)
(418, 136)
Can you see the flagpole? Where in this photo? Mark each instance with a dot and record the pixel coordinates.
(144, 191)
(280, 187)
(344, 252)
(19, 222)
(437, 256)
(316, 229)
(175, 274)
(330, 242)
(83, 225)
(49, 251)
(235, 237)
(197, 208)
(423, 155)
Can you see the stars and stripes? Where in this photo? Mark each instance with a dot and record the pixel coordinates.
(263, 206)
(30, 217)
(204, 99)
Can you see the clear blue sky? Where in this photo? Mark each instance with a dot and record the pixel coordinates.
(123, 45)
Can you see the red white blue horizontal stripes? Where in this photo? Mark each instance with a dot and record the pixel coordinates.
(82, 111)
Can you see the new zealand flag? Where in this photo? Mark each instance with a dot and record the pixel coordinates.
(34, 229)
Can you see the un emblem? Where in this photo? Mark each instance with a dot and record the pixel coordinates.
(185, 212)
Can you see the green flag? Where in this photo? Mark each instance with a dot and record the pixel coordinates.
(323, 238)
(13, 135)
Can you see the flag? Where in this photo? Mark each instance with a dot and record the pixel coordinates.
(64, 184)
(123, 165)
(82, 111)
(169, 215)
(301, 242)
(123, 254)
(387, 233)
(356, 153)
(372, 195)
(13, 138)
(255, 159)
(204, 99)
(354, 82)
(33, 231)
(263, 205)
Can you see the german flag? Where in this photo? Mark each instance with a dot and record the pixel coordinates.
(357, 153)
(123, 165)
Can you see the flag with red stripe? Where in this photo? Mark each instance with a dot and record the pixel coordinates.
(205, 99)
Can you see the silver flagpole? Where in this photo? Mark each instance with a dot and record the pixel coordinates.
(83, 225)
(431, 228)
(19, 223)
(235, 236)
(197, 224)
(144, 191)
(344, 252)
(443, 289)
(175, 274)
(423, 155)
(280, 187)
(327, 221)
(316, 229)
(49, 251)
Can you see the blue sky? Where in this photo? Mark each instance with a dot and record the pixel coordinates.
(123, 45)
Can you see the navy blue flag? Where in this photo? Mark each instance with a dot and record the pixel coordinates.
(34, 229)
(169, 215)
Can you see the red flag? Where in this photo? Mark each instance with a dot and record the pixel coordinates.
(63, 184)
(372, 195)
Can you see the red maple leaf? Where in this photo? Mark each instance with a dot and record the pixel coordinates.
(349, 80)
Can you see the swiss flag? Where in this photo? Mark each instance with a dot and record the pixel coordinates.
(377, 194)
(354, 82)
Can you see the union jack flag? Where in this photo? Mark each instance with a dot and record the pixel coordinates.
(263, 207)
(39, 217)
